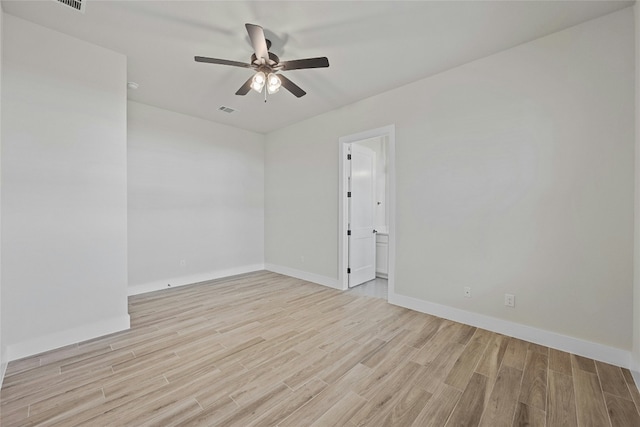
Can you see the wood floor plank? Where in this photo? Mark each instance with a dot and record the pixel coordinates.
(245, 383)
(406, 408)
(527, 416)
(246, 414)
(515, 354)
(561, 401)
(471, 405)
(633, 389)
(273, 348)
(464, 333)
(209, 416)
(533, 390)
(70, 396)
(67, 410)
(502, 403)
(421, 337)
(466, 363)
(69, 354)
(622, 412)
(23, 365)
(251, 390)
(15, 416)
(281, 411)
(48, 387)
(30, 376)
(109, 410)
(590, 406)
(612, 381)
(164, 412)
(173, 416)
(434, 374)
(131, 386)
(306, 372)
(314, 409)
(584, 364)
(341, 411)
(538, 348)
(438, 409)
(367, 386)
(393, 345)
(128, 406)
(386, 394)
(492, 358)
(337, 370)
(262, 349)
(449, 332)
(560, 361)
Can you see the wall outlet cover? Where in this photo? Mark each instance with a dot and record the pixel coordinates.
(509, 300)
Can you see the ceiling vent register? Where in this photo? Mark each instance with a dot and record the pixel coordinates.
(78, 5)
(226, 109)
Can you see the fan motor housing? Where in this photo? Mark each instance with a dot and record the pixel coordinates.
(272, 56)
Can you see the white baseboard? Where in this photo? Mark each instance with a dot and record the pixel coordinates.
(304, 275)
(603, 353)
(69, 336)
(157, 285)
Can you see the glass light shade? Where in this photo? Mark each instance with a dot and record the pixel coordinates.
(273, 83)
(258, 81)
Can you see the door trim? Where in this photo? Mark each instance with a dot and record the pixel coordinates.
(343, 254)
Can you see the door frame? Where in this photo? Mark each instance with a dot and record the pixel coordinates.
(343, 253)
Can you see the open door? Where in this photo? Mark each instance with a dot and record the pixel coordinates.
(361, 199)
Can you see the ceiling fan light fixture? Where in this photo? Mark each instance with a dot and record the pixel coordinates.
(265, 65)
(273, 83)
(258, 81)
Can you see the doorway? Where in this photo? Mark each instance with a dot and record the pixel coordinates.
(376, 236)
(361, 202)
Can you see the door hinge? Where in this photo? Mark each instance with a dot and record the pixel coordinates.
(348, 232)
(348, 271)
(348, 156)
(348, 193)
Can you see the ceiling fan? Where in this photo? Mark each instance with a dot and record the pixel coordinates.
(267, 65)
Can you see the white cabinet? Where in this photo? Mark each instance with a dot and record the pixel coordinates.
(382, 255)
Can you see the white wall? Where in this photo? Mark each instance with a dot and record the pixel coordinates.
(514, 174)
(64, 200)
(636, 264)
(3, 357)
(196, 193)
(379, 146)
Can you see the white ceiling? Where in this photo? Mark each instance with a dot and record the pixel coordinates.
(372, 46)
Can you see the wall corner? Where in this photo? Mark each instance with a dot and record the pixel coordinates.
(635, 351)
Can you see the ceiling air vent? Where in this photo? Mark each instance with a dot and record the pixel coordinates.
(226, 109)
(78, 5)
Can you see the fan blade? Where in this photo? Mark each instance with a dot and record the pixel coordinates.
(299, 64)
(245, 88)
(291, 86)
(258, 41)
(222, 62)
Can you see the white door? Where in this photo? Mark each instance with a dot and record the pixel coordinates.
(361, 200)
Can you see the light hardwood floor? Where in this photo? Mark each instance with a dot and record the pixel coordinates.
(264, 350)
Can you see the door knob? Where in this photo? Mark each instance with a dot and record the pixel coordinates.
(375, 231)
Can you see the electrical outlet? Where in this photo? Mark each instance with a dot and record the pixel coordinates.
(509, 300)
(183, 262)
(467, 292)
